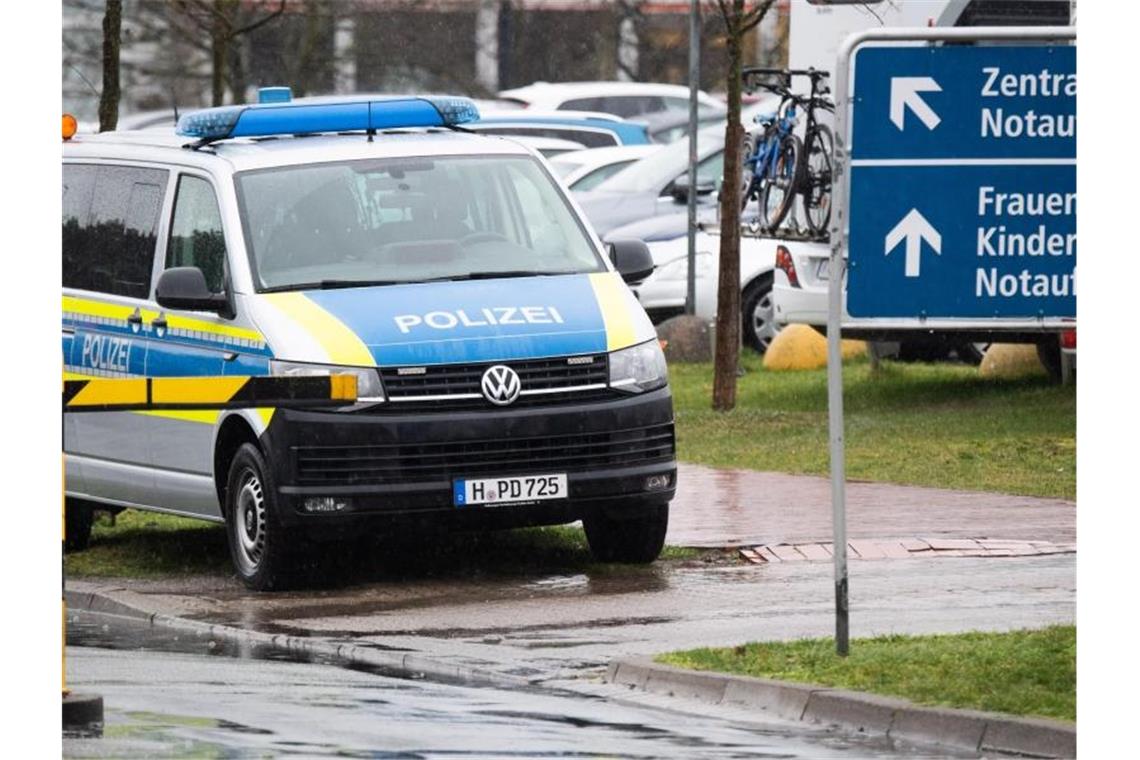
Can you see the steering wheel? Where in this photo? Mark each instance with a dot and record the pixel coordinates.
(482, 237)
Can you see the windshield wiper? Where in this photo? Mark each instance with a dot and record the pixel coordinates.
(496, 275)
(332, 285)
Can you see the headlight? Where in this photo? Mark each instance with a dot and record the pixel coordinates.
(638, 368)
(678, 269)
(368, 388)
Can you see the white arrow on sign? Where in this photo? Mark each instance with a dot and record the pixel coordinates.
(905, 93)
(914, 229)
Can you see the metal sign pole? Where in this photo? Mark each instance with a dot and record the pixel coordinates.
(835, 276)
(694, 82)
(840, 230)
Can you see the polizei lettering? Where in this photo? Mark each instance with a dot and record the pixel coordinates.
(106, 353)
(485, 317)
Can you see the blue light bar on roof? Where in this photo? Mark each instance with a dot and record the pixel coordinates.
(264, 120)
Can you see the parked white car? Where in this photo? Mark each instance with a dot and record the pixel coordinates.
(799, 295)
(625, 99)
(662, 294)
(585, 169)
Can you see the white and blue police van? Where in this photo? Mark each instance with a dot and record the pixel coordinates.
(506, 375)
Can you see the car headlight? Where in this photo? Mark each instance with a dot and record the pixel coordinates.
(638, 368)
(678, 269)
(368, 388)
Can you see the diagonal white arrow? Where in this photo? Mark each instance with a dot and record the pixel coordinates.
(914, 229)
(905, 94)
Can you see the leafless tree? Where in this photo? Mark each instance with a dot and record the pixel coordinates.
(738, 21)
(224, 21)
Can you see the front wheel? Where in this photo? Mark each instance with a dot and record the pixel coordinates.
(263, 554)
(635, 538)
(782, 183)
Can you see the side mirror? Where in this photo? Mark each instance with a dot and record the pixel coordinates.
(184, 288)
(632, 259)
(680, 188)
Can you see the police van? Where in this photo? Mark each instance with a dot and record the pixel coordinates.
(506, 375)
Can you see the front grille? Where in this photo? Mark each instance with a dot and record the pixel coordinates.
(442, 388)
(419, 462)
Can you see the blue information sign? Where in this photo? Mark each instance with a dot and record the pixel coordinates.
(963, 182)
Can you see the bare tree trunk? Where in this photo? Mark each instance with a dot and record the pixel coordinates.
(727, 358)
(112, 38)
(737, 22)
(239, 83)
(219, 44)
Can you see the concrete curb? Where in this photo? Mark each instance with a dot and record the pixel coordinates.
(397, 664)
(870, 714)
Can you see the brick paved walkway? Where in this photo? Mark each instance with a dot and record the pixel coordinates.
(746, 508)
(905, 548)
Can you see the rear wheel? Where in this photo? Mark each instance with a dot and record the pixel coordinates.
(817, 179)
(634, 538)
(782, 184)
(748, 172)
(78, 517)
(758, 314)
(263, 551)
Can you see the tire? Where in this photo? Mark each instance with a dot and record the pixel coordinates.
(817, 179)
(1049, 352)
(77, 520)
(748, 171)
(758, 314)
(971, 353)
(781, 187)
(264, 553)
(630, 539)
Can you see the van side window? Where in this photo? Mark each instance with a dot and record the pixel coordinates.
(196, 237)
(110, 227)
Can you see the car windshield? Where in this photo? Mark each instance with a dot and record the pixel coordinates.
(654, 172)
(408, 220)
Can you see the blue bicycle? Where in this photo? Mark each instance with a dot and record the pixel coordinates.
(775, 167)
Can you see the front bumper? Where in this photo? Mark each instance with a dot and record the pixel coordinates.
(385, 464)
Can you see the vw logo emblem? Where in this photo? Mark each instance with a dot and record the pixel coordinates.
(501, 385)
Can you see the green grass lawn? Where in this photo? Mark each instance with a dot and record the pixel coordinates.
(150, 545)
(922, 424)
(1031, 672)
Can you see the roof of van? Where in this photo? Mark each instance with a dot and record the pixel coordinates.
(242, 154)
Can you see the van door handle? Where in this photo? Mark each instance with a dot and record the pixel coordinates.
(159, 322)
(135, 320)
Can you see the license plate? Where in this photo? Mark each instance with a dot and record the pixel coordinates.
(510, 490)
(823, 270)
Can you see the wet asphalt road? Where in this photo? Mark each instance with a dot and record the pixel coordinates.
(548, 624)
(179, 696)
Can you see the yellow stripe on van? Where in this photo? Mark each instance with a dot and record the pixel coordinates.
(612, 301)
(195, 390)
(204, 416)
(342, 345)
(104, 392)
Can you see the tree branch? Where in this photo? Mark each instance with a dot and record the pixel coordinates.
(260, 22)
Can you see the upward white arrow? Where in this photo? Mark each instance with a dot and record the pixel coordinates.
(905, 93)
(914, 229)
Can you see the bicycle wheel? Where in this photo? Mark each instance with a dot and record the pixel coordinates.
(783, 182)
(817, 179)
(748, 173)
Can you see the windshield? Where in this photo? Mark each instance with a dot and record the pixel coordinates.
(408, 220)
(654, 172)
